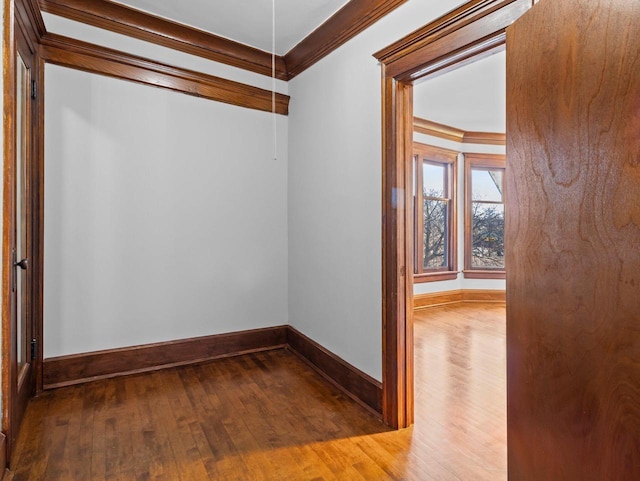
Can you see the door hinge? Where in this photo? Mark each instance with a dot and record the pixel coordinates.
(34, 89)
(33, 349)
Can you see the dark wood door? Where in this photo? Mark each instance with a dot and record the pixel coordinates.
(573, 234)
(21, 369)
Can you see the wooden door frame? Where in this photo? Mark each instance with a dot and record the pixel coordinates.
(474, 29)
(20, 16)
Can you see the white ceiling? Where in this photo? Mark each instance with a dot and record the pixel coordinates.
(246, 21)
(470, 98)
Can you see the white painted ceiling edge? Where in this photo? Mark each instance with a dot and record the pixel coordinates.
(470, 98)
(246, 21)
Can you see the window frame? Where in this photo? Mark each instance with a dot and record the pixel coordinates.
(449, 158)
(482, 161)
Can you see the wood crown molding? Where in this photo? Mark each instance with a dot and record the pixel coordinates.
(80, 55)
(422, 301)
(90, 366)
(447, 132)
(346, 23)
(472, 29)
(30, 18)
(144, 26)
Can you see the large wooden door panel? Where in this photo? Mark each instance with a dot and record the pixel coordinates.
(573, 233)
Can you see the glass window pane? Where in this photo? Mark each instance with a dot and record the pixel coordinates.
(487, 249)
(436, 221)
(487, 184)
(433, 180)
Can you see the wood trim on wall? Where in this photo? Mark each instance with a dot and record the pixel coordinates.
(84, 56)
(89, 366)
(473, 29)
(346, 23)
(9, 359)
(422, 301)
(144, 26)
(28, 14)
(356, 384)
(447, 132)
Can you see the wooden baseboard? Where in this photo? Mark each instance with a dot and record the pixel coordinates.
(3, 455)
(90, 366)
(421, 301)
(356, 384)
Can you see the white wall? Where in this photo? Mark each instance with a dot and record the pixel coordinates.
(165, 215)
(334, 191)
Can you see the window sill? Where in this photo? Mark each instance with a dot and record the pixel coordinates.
(484, 274)
(435, 276)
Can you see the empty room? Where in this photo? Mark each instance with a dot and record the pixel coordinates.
(283, 240)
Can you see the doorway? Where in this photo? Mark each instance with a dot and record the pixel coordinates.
(473, 30)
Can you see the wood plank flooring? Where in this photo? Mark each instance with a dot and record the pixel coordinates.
(267, 417)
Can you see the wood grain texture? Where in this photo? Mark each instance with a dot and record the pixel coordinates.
(269, 416)
(355, 383)
(573, 228)
(447, 132)
(346, 23)
(84, 367)
(432, 299)
(137, 24)
(80, 55)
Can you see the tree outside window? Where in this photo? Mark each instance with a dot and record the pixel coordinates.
(484, 216)
(434, 213)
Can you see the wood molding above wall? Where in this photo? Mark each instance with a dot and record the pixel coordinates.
(144, 26)
(29, 16)
(346, 23)
(421, 301)
(447, 132)
(80, 55)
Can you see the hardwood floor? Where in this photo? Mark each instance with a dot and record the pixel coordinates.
(268, 416)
